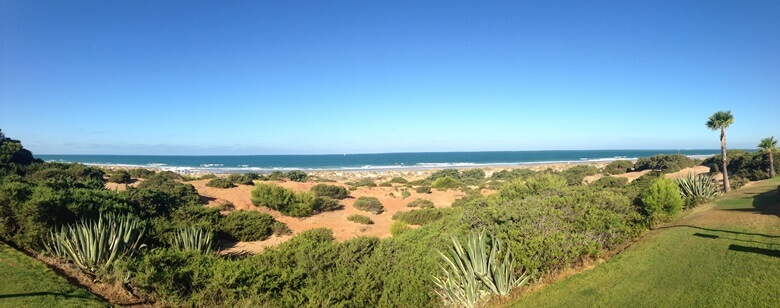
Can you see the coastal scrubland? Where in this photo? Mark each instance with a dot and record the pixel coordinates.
(288, 239)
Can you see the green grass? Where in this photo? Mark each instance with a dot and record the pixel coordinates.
(724, 255)
(26, 282)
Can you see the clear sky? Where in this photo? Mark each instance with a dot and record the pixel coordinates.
(278, 77)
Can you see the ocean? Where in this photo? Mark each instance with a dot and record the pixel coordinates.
(361, 162)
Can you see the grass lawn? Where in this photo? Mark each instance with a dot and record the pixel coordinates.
(725, 254)
(26, 282)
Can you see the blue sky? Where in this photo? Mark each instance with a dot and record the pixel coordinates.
(277, 77)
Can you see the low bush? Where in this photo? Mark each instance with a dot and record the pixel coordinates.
(207, 176)
(423, 189)
(667, 163)
(421, 203)
(446, 182)
(332, 191)
(662, 200)
(609, 182)
(405, 194)
(618, 167)
(291, 203)
(452, 173)
(120, 176)
(419, 217)
(736, 182)
(276, 176)
(399, 227)
(399, 180)
(508, 175)
(220, 183)
(141, 173)
(296, 176)
(326, 204)
(248, 226)
(369, 204)
(366, 182)
(360, 219)
(575, 175)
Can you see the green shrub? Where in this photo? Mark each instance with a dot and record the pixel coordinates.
(288, 202)
(662, 200)
(159, 196)
(667, 163)
(220, 183)
(423, 189)
(618, 167)
(446, 182)
(207, 176)
(120, 176)
(609, 182)
(419, 217)
(141, 173)
(246, 226)
(367, 182)
(753, 166)
(399, 180)
(296, 176)
(405, 194)
(369, 204)
(244, 180)
(252, 176)
(326, 204)
(737, 182)
(508, 175)
(332, 191)
(452, 173)
(421, 203)
(399, 227)
(360, 219)
(575, 175)
(197, 216)
(637, 187)
(276, 176)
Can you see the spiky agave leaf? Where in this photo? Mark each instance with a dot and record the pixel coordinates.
(193, 238)
(697, 189)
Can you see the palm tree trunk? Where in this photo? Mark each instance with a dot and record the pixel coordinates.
(726, 186)
(771, 164)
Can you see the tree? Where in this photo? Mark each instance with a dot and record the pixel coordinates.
(769, 145)
(722, 120)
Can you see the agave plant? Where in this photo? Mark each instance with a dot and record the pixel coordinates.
(192, 238)
(475, 271)
(697, 189)
(94, 244)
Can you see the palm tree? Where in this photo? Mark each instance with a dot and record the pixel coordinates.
(769, 144)
(722, 120)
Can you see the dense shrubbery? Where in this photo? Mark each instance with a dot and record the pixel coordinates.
(664, 162)
(369, 204)
(220, 183)
(753, 166)
(248, 225)
(120, 176)
(421, 203)
(609, 181)
(291, 203)
(141, 173)
(367, 182)
(618, 167)
(361, 219)
(423, 189)
(662, 200)
(333, 191)
(508, 175)
(575, 175)
(398, 180)
(446, 182)
(419, 217)
(737, 182)
(296, 176)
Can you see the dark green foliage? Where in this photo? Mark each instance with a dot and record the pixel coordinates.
(207, 176)
(244, 180)
(141, 173)
(120, 176)
(423, 189)
(447, 176)
(419, 217)
(666, 163)
(421, 203)
(276, 176)
(296, 176)
(291, 203)
(446, 182)
(476, 200)
(333, 191)
(575, 175)
(753, 166)
(248, 225)
(369, 204)
(609, 182)
(200, 216)
(252, 176)
(64, 176)
(326, 204)
(366, 182)
(360, 219)
(220, 183)
(508, 175)
(405, 194)
(737, 182)
(12, 152)
(636, 188)
(452, 173)
(399, 180)
(89, 203)
(160, 195)
(472, 176)
(618, 167)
